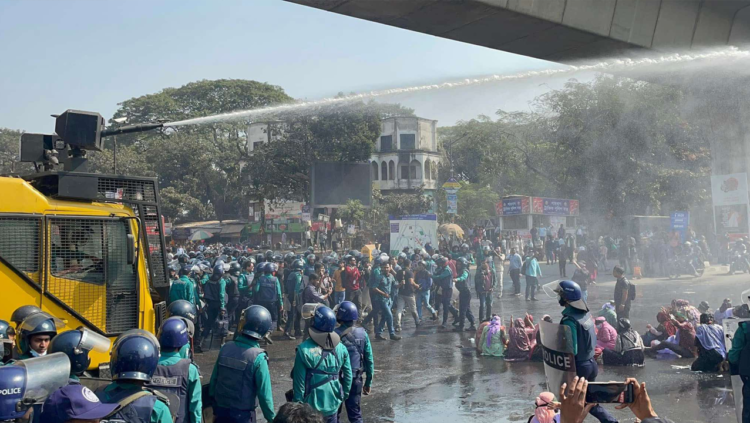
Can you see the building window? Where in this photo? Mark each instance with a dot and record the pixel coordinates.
(257, 145)
(386, 143)
(434, 171)
(404, 172)
(374, 167)
(415, 170)
(391, 170)
(384, 171)
(408, 141)
(427, 173)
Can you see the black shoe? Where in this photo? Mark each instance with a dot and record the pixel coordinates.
(395, 337)
(198, 349)
(381, 337)
(534, 299)
(456, 323)
(471, 328)
(289, 336)
(443, 327)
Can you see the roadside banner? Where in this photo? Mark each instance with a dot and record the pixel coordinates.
(559, 359)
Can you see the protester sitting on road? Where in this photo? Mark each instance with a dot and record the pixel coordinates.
(628, 349)
(609, 313)
(606, 335)
(494, 339)
(709, 340)
(536, 353)
(546, 409)
(686, 335)
(661, 332)
(519, 344)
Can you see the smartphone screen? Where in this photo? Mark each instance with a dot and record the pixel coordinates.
(609, 392)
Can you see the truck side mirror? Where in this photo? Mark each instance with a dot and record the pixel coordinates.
(131, 249)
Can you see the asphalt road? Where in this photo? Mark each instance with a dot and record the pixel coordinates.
(436, 376)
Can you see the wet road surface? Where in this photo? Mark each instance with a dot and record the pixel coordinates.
(436, 376)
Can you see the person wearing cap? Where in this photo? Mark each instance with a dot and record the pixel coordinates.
(176, 374)
(73, 404)
(319, 365)
(358, 345)
(582, 342)
(241, 381)
(133, 361)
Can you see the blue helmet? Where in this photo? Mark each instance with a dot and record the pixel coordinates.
(183, 308)
(257, 322)
(271, 267)
(36, 324)
(23, 312)
(29, 382)
(347, 312)
(76, 344)
(135, 356)
(174, 333)
(298, 264)
(218, 269)
(569, 292)
(324, 319)
(261, 268)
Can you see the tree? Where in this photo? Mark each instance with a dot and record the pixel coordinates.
(9, 153)
(352, 212)
(475, 202)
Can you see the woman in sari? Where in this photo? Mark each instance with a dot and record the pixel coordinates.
(661, 332)
(494, 338)
(519, 345)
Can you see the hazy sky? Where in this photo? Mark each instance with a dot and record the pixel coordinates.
(90, 55)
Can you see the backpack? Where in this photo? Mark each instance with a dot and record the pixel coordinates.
(631, 291)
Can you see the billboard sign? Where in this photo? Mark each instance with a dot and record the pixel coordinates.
(412, 231)
(452, 203)
(554, 206)
(730, 201)
(513, 206)
(283, 209)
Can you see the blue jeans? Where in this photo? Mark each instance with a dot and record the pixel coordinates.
(424, 298)
(353, 409)
(447, 306)
(531, 283)
(339, 297)
(386, 316)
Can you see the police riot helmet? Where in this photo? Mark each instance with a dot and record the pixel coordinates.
(261, 268)
(289, 257)
(310, 249)
(441, 261)
(174, 333)
(269, 254)
(346, 258)
(397, 268)
(568, 292)
(402, 256)
(23, 312)
(76, 344)
(185, 270)
(271, 268)
(464, 247)
(135, 356)
(324, 319)
(183, 308)
(259, 258)
(486, 249)
(346, 312)
(183, 258)
(234, 269)
(277, 258)
(192, 254)
(435, 257)
(36, 324)
(218, 269)
(461, 261)
(311, 258)
(6, 345)
(257, 322)
(298, 264)
(28, 382)
(425, 255)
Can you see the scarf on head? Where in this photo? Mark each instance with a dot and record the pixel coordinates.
(712, 338)
(518, 338)
(494, 327)
(544, 413)
(663, 318)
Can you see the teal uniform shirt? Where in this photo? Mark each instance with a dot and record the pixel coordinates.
(182, 289)
(262, 379)
(738, 344)
(326, 398)
(567, 311)
(160, 413)
(256, 289)
(243, 283)
(194, 384)
(462, 280)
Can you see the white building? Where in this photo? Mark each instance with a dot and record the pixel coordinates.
(406, 155)
(259, 133)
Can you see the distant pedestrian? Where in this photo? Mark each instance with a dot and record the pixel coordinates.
(533, 272)
(514, 267)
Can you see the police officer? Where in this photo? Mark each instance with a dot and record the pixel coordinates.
(214, 293)
(74, 404)
(358, 346)
(245, 284)
(294, 287)
(443, 278)
(240, 380)
(23, 312)
(27, 384)
(177, 376)
(76, 344)
(268, 291)
(34, 335)
(233, 292)
(186, 310)
(319, 363)
(182, 288)
(464, 296)
(133, 361)
(576, 316)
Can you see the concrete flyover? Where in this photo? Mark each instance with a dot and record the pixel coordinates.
(562, 30)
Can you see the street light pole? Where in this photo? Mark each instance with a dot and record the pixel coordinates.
(114, 155)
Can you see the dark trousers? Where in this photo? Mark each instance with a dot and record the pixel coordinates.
(232, 306)
(214, 307)
(230, 415)
(485, 305)
(241, 306)
(745, 399)
(464, 308)
(373, 315)
(353, 410)
(333, 418)
(531, 283)
(293, 319)
(561, 265)
(273, 308)
(447, 306)
(355, 297)
(589, 370)
(625, 312)
(708, 361)
(515, 276)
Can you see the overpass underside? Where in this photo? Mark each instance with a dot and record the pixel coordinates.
(562, 30)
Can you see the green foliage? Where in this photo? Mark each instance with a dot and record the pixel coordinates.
(9, 143)
(475, 202)
(352, 212)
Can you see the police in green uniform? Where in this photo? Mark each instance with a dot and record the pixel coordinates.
(319, 364)
(182, 288)
(240, 380)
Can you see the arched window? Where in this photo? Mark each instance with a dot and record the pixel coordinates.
(391, 170)
(415, 170)
(384, 171)
(427, 172)
(374, 167)
(434, 171)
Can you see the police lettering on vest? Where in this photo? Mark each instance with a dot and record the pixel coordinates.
(236, 377)
(173, 381)
(267, 290)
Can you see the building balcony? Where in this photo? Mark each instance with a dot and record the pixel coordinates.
(405, 184)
